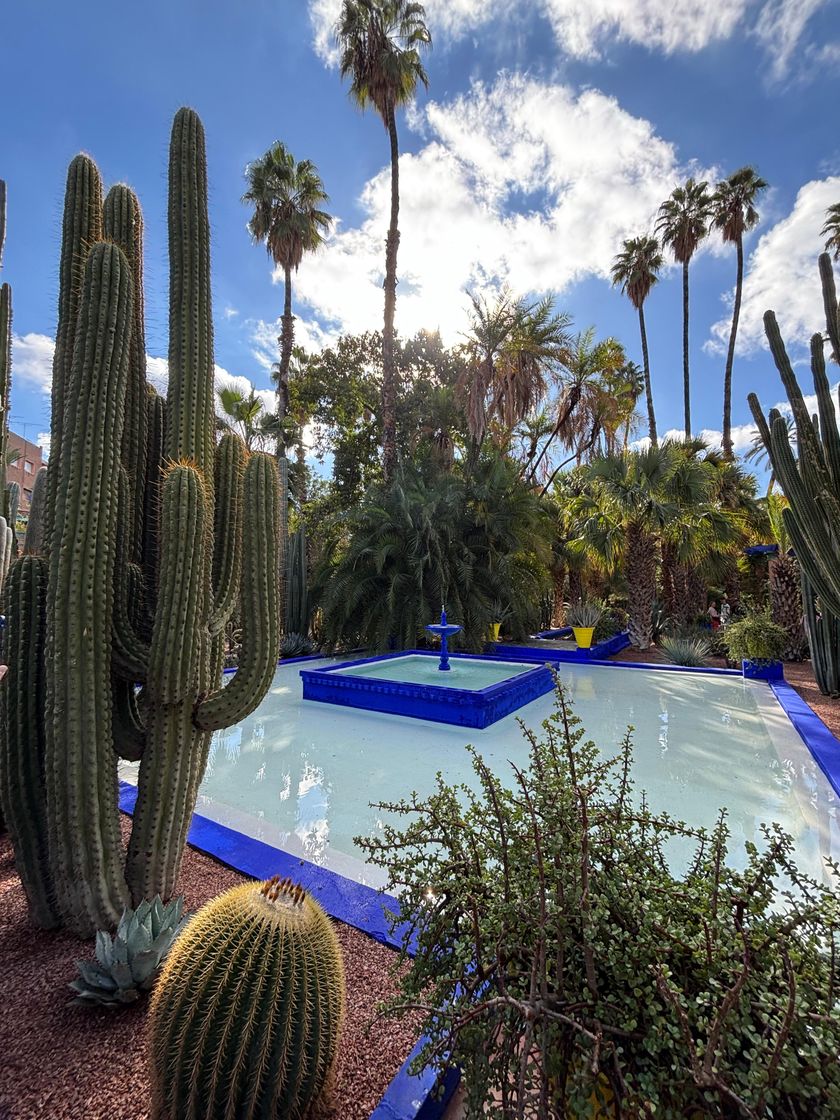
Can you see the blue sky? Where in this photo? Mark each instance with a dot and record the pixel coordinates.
(548, 135)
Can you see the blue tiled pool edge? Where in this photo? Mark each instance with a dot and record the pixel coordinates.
(818, 738)
(408, 1096)
(606, 648)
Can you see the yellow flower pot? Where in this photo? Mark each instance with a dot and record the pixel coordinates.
(495, 631)
(583, 636)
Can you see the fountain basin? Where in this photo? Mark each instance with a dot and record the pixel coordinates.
(478, 691)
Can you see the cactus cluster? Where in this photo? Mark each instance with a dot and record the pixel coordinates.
(810, 479)
(127, 963)
(246, 1016)
(148, 537)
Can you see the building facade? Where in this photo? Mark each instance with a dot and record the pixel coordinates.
(24, 470)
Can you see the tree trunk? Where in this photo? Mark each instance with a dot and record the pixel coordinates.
(670, 580)
(575, 586)
(730, 356)
(648, 390)
(641, 585)
(786, 603)
(559, 579)
(389, 372)
(686, 378)
(286, 340)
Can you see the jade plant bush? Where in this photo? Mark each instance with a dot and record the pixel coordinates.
(755, 638)
(569, 972)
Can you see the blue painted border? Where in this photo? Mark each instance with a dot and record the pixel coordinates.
(473, 708)
(603, 649)
(408, 1096)
(819, 739)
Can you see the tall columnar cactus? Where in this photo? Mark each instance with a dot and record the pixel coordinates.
(810, 478)
(246, 1015)
(34, 539)
(144, 544)
(297, 590)
(5, 382)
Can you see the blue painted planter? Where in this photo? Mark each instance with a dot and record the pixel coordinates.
(763, 670)
(596, 652)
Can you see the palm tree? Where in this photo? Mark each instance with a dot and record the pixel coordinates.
(734, 214)
(635, 270)
(831, 230)
(785, 582)
(682, 224)
(514, 349)
(245, 415)
(287, 197)
(380, 43)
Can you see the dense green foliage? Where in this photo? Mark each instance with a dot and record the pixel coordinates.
(461, 539)
(756, 637)
(245, 1020)
(560, 961)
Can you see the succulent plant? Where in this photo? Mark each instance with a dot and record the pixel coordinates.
(246, 1016)
(686, 650)
(153, 536)
(583, 615)
(296, 645)
(128, 963)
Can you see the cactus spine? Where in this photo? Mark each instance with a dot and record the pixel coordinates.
(144, 558)
(811, 478)
(246, 1016)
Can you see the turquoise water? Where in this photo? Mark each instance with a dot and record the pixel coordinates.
(300, 775)
(418, 669)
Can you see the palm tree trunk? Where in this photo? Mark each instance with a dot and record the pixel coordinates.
(686, 378)
(389, 372)
(641, 585)
(287, 337)
(730, 355)
(648, 391)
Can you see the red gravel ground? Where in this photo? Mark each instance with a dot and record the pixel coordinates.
(74, 1063)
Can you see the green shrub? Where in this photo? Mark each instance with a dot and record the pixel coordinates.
(755, 638)
(559, 959)
(613, 620)
(687, 650)
(462, 540)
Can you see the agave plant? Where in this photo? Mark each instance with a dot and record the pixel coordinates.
(297, 645)
(583, 615)
(686, 650)
(127, 963)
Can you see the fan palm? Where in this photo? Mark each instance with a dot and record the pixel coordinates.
(734, 214)
(831, 230)
(287, 218)
(635, 270)
(380, 43)
(682, 224)
(245, 415)
(467, 542)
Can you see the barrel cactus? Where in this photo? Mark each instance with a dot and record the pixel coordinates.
(152, 536)
(246, 1016)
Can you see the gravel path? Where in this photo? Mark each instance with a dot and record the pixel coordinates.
(74, 1063)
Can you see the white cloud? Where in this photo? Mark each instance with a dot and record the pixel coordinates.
(311, 336)
(542, 183)
(43, 440)
(583, 30)
(781, 275)
(230, 312)
(780, 27)
(32, 361)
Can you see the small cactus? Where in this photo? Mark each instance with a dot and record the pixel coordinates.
(246, 1016)
(128, 963)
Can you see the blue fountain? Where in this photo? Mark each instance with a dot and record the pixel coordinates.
(444, 632)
